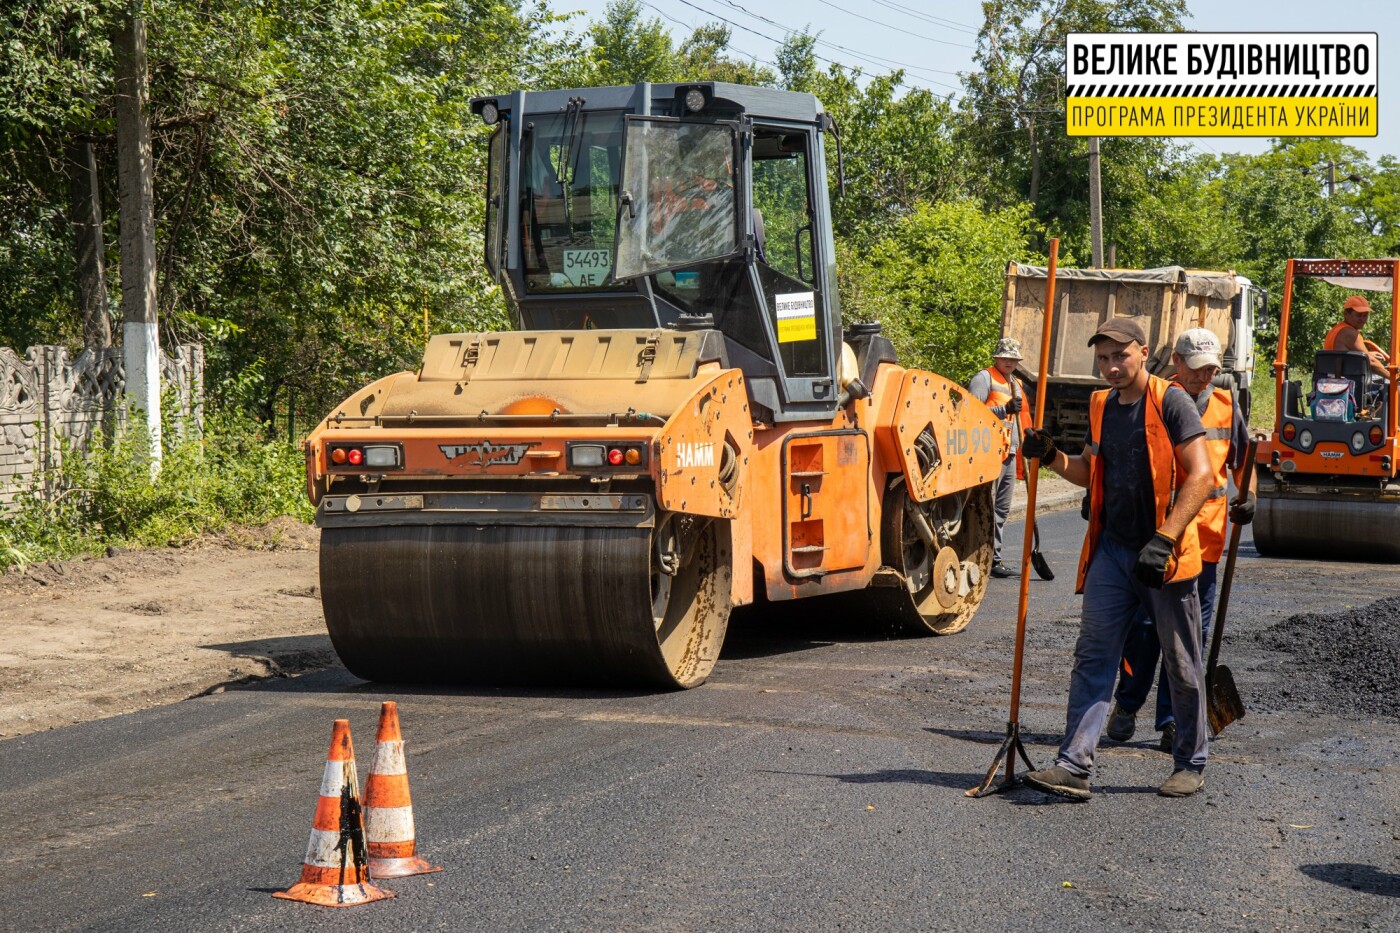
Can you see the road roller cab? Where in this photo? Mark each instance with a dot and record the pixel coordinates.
(1327, 474)
(676, 426)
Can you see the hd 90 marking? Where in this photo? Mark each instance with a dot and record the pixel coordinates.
(677, 425)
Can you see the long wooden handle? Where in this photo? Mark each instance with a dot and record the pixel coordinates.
(1235, 529)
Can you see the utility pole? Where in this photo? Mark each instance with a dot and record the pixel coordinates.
(1331, 178)
(140, 341)
(85, 214)
(1095, 206)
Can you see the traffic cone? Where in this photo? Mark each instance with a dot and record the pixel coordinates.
(335, 872)
(388, 809)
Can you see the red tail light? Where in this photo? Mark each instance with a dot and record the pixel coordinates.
(615, 456)
(355, 456)
(1377, 435)
(1290, 431)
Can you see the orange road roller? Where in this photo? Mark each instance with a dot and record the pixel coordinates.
(677, 426)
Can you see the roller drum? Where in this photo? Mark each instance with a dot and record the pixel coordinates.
(521, 604)
(1351, 529)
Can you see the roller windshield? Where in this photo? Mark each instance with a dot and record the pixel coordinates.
(679, 202)
(570, 169)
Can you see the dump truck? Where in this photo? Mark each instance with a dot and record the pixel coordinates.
(1165, 301)
(676, 426)
(1327, 473)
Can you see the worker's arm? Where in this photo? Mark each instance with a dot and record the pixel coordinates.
(1194, 461)
(1038, 445)
(1349, 338)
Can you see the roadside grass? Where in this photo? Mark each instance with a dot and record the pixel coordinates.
(107, 497)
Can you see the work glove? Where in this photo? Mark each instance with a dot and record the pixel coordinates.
(1014, 406)
(1242, 510)
(1038, 446)
(1156, 561)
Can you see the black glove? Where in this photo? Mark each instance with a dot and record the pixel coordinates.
(1242, 512)
(1155, 561)
(1014, 406)
(1038, 446)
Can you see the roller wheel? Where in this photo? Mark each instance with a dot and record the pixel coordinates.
(944, 585)
(506, 604)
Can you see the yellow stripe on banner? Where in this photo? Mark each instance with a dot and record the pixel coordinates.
(794, 329)
(1221, 116)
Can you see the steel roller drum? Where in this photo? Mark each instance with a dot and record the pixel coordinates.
(518, 604)
(1351, 529)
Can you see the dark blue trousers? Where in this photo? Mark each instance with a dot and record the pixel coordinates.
(1142, 650)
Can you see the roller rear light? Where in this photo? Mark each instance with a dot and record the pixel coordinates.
(353, 457)
(584, 455)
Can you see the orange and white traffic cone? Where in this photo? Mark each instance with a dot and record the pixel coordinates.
(335, 872)
(388, 809)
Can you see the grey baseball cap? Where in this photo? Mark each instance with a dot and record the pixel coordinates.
(1199, 347)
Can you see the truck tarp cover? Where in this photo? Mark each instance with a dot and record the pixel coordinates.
(1219, 285)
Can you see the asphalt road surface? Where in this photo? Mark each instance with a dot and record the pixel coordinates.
(816, 783)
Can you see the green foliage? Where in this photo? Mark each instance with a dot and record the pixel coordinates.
(625, 47)
(107, 497)
(935, 280)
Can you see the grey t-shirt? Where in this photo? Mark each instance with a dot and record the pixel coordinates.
(1129, 506)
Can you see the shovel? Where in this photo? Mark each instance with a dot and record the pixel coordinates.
(1223, 703)
(1038, 561)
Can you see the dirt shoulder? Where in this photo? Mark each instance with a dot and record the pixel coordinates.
(87, 639)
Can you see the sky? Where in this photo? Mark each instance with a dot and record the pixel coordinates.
(934, 40)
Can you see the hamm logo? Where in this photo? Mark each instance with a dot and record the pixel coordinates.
(695, 454)
(486, 453)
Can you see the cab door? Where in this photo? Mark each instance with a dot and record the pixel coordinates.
(826, 502)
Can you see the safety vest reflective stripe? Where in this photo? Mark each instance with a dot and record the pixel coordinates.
(1163, 466)
(1218, 419)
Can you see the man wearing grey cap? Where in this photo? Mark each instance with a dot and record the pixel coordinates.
(1145, 465)
(1197, 357)
(998, 386)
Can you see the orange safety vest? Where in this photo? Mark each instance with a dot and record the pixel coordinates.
(1000, 393)
(1330, 341)
(1218, 420)
(1161, 461)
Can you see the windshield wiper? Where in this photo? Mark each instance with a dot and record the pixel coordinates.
(568, 159)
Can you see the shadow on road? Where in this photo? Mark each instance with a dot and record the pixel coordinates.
(956, 779)
(1364, 878)
(986, 737)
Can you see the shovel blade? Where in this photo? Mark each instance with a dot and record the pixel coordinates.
(1042, 566)
(1225, 705)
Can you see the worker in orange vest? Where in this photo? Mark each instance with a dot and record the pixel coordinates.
(1147, 469)
(1197, 357)
(999, 387)
(1346, 335)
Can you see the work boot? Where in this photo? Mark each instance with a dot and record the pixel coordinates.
(1121, 724)
(1182, 783)
(1060, 782)
(1001, 570)
(1168, 739)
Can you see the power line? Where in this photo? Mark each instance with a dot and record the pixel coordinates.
(899, 29)
(878, 61)
(927, 17)
(821, 58)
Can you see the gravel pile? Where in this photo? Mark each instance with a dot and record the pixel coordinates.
(1346, 662)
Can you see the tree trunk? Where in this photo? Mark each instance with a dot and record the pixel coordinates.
(138, 241)
(85, 212)
(1035, 164)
